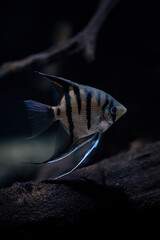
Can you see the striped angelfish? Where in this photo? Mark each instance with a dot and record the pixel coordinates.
(85, 113)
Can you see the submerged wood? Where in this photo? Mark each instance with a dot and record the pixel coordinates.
(122, 185)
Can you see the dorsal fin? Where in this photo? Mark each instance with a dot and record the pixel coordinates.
(60, 84)
(58, 81)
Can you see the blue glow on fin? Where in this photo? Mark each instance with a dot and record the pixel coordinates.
(92, 142)
(75, 149)
(94, 145)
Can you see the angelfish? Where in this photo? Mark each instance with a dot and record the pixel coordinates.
(85, 113)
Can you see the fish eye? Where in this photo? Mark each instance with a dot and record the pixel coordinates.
(113, 111)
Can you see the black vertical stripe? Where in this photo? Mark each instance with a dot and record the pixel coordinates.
(105, 104)
(98, 98)
(50, 112)
(58, 111)
(69, 111)
(112, 110)
(78, 97)
(88, 108)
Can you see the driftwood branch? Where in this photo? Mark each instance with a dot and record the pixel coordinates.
(84, 41)
(119, 186)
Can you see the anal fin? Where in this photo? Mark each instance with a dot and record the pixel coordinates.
(94, 144)
(79, 151)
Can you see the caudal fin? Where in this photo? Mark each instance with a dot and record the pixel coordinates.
(41, 116)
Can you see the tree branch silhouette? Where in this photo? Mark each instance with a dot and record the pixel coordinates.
(84, 41)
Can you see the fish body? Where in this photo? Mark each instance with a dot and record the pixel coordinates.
(85, 113)
(83, 116)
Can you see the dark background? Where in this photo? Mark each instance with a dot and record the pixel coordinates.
(126, 65)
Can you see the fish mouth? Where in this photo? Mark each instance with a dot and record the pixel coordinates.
(121, 111)
(124, 110)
